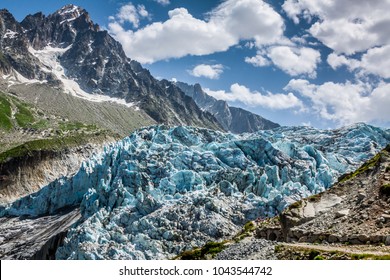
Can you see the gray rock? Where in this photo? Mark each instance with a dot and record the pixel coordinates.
(333, 238)
(376, 239)
(361, 196)
(342, 213)
(385, 218)
(249, 249)
(363, 238)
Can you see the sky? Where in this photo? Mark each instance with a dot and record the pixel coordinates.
(323, 63)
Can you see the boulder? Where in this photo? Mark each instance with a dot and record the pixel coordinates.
(333, 238)
(342, 213)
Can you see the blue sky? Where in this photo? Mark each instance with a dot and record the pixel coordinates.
(312, 62)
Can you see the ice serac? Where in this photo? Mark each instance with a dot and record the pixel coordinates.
(164, 190)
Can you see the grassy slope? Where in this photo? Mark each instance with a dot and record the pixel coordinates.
(5, 114)
(17, 116)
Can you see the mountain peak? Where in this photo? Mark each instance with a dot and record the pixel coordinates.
(233, 119)
(72, 13)
(70, 10)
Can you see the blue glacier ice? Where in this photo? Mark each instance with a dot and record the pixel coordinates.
(164, 189)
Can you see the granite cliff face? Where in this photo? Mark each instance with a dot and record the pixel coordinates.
(66, 49)
(164, 190)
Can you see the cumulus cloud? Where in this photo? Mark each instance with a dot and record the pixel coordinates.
(208, 71)
(130, 13)
(295, 61)
(336, 61)
(163, 2)
(255, 98)
(377, 61)
(347, 26)
(182, 34)
(345, 103)
(258, 61)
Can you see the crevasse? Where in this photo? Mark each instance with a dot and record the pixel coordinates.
(163, 190)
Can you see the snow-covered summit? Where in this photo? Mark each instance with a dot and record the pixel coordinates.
(163, 190)
(70, 11)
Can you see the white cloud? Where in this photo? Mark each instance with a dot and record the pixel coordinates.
(336, 61)
(142, 11)
(299, 40)
(346, 103)
(130, 13)
(377, 61)
(208, 71)
(246, 96)
(163, 2)
(295, 61)
(347, 26)
(182, 34)
(258, 61)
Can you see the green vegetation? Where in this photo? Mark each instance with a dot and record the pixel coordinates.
(41, 124)
(24, 117)
(314, 198)
(366, 166)
(313, 254)
(67, 126)
(53, 144)
(278, 248)
(248, 228)
(209, 250)
(369, 257)
(5, 114)
(297, 204)
(385, 189)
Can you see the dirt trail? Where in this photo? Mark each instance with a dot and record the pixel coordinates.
(347, 249)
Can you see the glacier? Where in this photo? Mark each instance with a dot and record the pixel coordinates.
(165, 189)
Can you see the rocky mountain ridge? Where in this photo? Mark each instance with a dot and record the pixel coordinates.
(66, 49)
(232, 119)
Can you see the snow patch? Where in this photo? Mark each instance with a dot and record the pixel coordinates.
(70, 10)
(10, 34)
(16, 78)
(49, 57)
(90, 45)
(68, 20)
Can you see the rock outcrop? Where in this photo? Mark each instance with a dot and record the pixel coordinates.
(354, 211)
